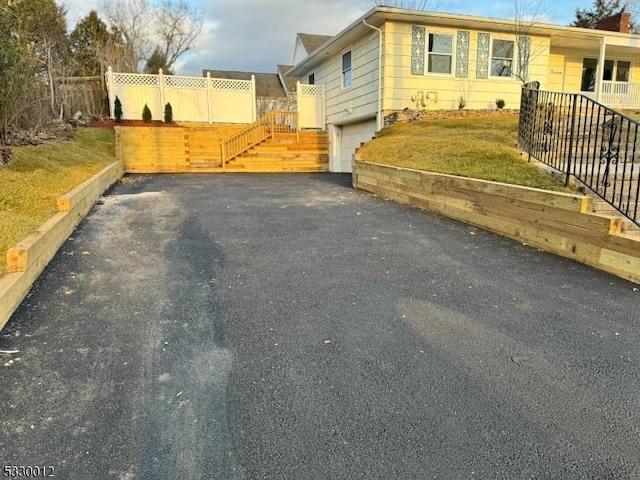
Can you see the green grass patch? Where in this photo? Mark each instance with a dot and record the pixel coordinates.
(481, 147)
(38, 175)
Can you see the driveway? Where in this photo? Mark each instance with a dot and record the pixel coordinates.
(289, 327)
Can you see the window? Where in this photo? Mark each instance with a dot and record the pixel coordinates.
(623, 69)
(440, 53)
(620, 70)
(502, 58)
(346, 70)
(312, 79)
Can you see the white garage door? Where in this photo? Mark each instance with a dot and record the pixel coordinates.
(352, 136)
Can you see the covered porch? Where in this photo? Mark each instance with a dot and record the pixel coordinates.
(605, 67)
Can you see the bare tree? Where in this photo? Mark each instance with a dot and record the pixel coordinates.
(406, 4)
(526, 15)
(169, 28)
(131, 19)
(178, 26)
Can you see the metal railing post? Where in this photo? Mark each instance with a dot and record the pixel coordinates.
(571, 135)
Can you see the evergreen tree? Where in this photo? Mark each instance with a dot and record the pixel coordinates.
(168, 113)
(156, 62)
(117, 109)
(89, 41)
(146, 114)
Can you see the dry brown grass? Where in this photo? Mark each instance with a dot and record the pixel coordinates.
(38, 175)
(481, 148)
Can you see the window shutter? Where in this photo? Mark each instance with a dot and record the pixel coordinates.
(482, 63)
(462, 54)
(524, 57)
(417, 50)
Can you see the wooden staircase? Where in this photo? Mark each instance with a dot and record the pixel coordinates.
(305, 151)
(272, 144)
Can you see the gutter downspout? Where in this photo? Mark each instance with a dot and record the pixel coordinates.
(379, 118)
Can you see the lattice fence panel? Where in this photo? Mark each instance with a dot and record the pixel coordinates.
(233, 85)
(185, 82)
(311, 90)
(135, 80)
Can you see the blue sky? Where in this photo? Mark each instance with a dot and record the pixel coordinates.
(256, 35)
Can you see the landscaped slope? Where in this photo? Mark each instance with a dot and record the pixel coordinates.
(38, 175)
(479, 147)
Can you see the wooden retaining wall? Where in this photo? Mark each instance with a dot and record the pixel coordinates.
(196, 148)
(27, 259)
(560, 223)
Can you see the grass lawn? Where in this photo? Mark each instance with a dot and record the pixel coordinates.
(38, 175)
(480, 147)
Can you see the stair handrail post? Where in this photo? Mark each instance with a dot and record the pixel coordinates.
(571, 138)
(272, 124)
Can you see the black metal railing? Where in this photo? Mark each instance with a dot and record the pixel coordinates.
(584, 139)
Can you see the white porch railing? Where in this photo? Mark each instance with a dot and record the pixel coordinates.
(620, 94)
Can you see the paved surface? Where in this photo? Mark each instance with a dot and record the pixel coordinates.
(288, 327)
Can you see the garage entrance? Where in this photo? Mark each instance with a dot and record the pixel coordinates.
(346, 139)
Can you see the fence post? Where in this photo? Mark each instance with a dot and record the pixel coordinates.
(571, 135)
(209, 107)
(161, 91)
(253, 98)
(111, 90)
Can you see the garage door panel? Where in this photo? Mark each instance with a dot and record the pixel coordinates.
(352, 136)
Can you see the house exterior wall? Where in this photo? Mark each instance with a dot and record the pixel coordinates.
(432, 91)
(565, 66)
(360, 100)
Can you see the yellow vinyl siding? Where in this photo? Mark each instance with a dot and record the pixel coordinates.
(557, 72)
(444, 90)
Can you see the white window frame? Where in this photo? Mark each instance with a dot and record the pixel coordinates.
(514, 59)
(427, 53)
(344, 71)
(614, 72)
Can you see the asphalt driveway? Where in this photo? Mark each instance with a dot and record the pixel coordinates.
(289, 327)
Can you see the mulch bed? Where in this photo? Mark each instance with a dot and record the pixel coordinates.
(110, 123)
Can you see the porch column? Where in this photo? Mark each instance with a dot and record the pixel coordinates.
(600, 69)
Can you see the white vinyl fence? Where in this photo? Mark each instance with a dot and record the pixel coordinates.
(192, 99)
(311, 105)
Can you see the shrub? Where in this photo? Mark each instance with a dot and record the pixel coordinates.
(146, 114)
(168, 113)
(500, 103)
(117, 110)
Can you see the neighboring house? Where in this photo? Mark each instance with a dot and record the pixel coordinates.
(393, 59)
(270, 91)
(306, 44)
